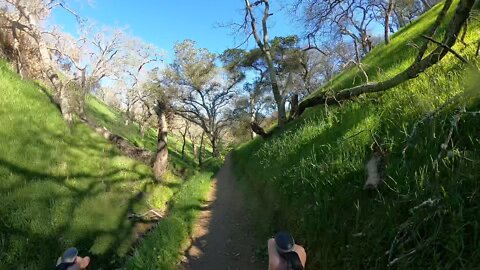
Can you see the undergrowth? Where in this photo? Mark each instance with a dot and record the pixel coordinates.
(427, 213)
(163, 247)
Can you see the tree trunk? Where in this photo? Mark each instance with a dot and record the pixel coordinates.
(265, 48)
(184, 137)
(253, 116)
(294, 109)
(127, 115)
(161, 160)
(215, 150)
(49, 70)
(277, 95)
(85, 89)
(193, 148)
(65, 106)
(140, 128)
(17, 52)
(183, 148)
(59, 87)
(357, 52)
(365, 42)
(200, 150)
(388, 14)
(432, 30)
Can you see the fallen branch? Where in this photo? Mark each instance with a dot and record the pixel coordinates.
(454, 125)
(461, 58)
(461, 15)
(431, 32)
(428, 117)
(121, 143)
(396, 260)
(151, 214)
(464, 34)
(360, 67)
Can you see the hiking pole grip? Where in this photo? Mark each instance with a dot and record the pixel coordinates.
(67, 259)
(285, 245)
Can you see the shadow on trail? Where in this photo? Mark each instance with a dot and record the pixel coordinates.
(223, 237)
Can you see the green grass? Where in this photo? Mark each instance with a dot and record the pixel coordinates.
(162, 249)
(311, 175)
(62, 187)
(115, 120)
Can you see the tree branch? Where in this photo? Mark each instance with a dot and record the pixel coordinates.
(462, 13)
(461, 58)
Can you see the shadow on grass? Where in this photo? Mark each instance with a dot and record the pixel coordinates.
(46, 210)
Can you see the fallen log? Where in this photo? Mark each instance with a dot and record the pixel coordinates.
(121, 143)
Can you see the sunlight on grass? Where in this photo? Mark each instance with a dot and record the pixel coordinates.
(162, 248)
(64, 187)
(311, 175)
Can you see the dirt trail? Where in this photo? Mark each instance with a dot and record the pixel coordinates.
(223, 237)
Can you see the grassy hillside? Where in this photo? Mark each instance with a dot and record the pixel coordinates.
(427, 213)
(115, 120)
(163, 247)
(62, 187)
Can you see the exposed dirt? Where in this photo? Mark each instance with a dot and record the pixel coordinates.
(223, 236)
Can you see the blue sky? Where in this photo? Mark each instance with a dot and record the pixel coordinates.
(163, 22)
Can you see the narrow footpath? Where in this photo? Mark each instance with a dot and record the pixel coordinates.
(223, 236)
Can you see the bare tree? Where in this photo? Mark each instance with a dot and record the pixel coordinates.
(201, 149)
(160, 164)
(135, 75)
(294, 66)
(184, 131)
(252, 104)
(332, 19)
(265, 47)
(27, 17)
(204, 93)
(386, 8)
(405, 11)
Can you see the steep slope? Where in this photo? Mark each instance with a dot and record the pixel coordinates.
(163, 246)
(427, 213)
(62, 186)
(115, 120)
